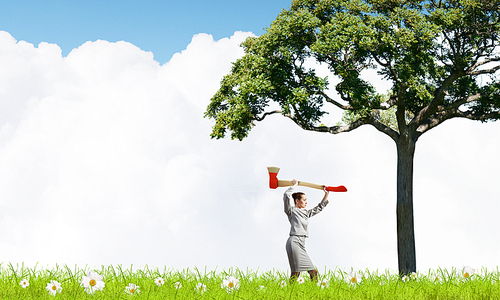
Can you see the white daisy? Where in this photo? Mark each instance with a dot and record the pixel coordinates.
(200, 288)
(24, 283)
(283, 284)
(92, 282)
(159, 281)
(467, 272)
(230, 284)
(132, 289)
(413, 276)
(434, 277)
(323, 283)
(177, 285)
(353, 278)
(53, 287)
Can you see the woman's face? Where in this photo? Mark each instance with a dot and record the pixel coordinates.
(302, 202)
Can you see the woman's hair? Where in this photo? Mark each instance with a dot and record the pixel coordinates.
(297, 196)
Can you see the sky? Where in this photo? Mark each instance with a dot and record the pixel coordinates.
(106, 159)
(163, 27)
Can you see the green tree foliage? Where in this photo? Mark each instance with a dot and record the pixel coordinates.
(441, 57)
(432, 52)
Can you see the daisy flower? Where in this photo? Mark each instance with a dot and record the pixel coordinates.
(323, 283)
(230, 284)
(467, 272)
(200, 288)
(92, 282)
(261, 288)
(413, 276)
(53, 287)
(283, 284)
(159, 281)
(353, 278)
(132, 289)
(177, 285)
(435, 278)
(24, 283)
(300, 280)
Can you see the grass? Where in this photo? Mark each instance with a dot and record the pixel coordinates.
(251, 284)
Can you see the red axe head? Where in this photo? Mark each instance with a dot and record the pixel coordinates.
(273, 176)
(339, 188)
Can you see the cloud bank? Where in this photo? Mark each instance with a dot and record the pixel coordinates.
(105, 158)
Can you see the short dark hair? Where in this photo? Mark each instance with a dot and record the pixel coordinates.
(296, 196)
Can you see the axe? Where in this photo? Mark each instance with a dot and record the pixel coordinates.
(274, 182)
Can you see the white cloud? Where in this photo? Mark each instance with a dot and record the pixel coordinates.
(105, 158)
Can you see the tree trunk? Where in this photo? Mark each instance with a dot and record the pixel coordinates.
(404, 207)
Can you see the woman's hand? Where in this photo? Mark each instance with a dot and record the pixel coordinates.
(326, 194)
(295, 182)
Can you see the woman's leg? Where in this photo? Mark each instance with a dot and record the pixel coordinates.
(294, 276)
(314, 275)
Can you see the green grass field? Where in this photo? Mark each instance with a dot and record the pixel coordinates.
(115, 282)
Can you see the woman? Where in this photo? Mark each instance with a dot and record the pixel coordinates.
(299, 216)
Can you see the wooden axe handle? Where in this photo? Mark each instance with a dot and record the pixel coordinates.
(283, 183)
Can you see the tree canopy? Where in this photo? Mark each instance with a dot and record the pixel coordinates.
(432, 52)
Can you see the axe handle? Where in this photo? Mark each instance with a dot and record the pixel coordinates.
(283, 183)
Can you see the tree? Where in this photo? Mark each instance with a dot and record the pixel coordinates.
(441, 57)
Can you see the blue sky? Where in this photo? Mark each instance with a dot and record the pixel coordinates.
(163, 27)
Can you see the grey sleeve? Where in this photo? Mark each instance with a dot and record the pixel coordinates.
(317, 209)
(288, 200)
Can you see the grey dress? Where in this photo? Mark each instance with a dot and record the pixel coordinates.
(296, 244)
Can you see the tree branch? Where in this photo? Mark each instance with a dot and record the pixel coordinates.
(338, 104)
(350, 127)
(479, 117)
(444, 113)
(393, 100)
(487, 71)
(452, 46)
(435, 120)
(432, 107)
(478, 64)
(257, 118)
(388, 66)
(458, 103)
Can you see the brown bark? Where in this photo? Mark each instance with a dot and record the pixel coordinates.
(404, 206)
